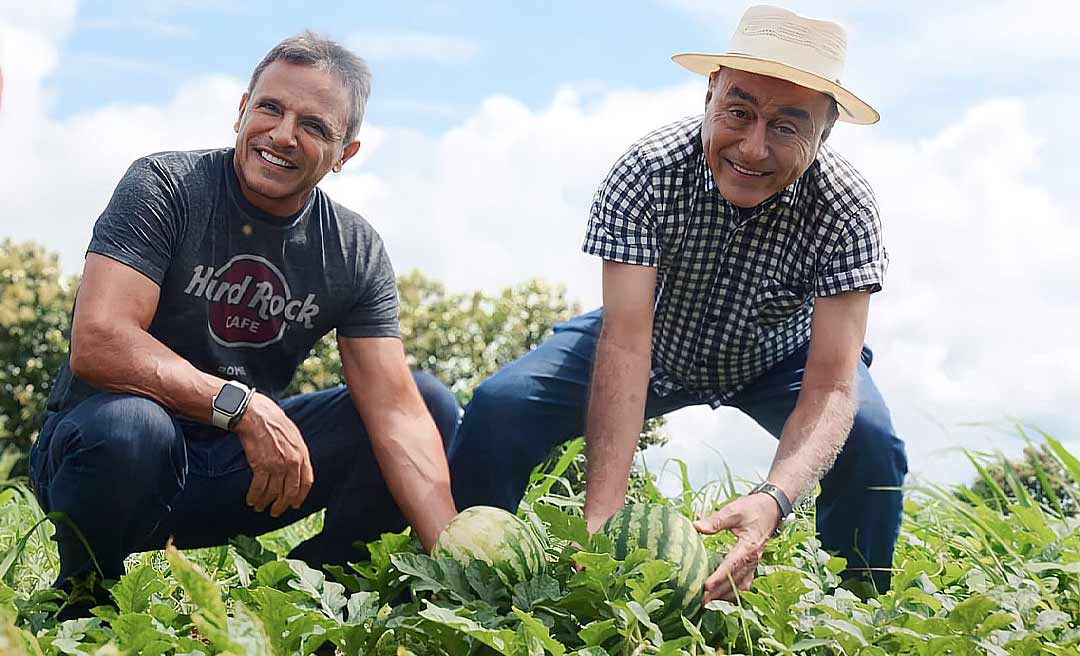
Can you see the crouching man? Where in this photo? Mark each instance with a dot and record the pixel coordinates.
(209, 277)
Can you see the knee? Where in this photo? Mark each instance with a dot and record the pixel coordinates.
(874, 449)
(441, 403)
(123, 429)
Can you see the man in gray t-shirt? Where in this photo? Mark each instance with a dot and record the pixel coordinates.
(209, 278)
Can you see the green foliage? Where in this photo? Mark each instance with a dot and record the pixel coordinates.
(1040, 476)
(971, 579)
(35, 312)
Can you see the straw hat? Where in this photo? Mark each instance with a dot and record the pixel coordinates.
(781, 44)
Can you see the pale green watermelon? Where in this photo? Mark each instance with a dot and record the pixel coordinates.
(669, 536)
(496, 537)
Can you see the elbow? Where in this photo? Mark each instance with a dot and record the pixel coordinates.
(88, 340)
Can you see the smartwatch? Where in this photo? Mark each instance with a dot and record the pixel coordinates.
(229, 404)
(779, 497)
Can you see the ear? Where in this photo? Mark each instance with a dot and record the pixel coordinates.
(350, 150)
(712, 82)
(240, 112)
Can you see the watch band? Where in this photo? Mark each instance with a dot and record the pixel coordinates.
(779, 497)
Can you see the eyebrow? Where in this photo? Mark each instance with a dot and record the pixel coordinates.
(793, 112)
(330, 131)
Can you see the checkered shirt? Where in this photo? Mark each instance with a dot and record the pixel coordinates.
(734, 293)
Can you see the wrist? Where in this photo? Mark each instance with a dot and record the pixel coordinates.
(780, 503)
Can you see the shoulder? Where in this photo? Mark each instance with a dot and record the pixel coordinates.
(837, 188)
(672, 146)
(178, 167)
(351, 225)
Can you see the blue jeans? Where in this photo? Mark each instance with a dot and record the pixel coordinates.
(130, 474)
(537, 402)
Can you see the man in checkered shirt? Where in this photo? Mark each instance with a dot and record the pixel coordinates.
(740, 253)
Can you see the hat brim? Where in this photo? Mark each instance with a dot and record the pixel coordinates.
(852, 108)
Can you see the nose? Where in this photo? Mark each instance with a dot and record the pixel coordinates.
(753, 145)
(283, 134)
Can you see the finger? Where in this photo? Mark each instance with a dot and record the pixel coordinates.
(257, 489)
(290, 489)
(274, 491)
(717, 522)
(307, 479)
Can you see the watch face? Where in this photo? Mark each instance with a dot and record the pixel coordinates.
(229, 399)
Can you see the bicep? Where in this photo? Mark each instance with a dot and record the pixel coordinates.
(112, 293)
(836, 339)
(629, 297)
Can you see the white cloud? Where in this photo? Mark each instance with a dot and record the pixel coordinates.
(414, 46)
(976, 323)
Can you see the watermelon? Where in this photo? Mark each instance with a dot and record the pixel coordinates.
(496, 537)
(668, 536)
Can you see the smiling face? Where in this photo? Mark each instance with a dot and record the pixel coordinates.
(290, 133)
(760, 133)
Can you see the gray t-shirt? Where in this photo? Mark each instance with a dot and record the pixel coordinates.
(245, 295)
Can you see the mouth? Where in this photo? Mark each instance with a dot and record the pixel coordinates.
(751, 173)
(274, 160)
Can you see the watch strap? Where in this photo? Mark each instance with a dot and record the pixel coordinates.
(779, 497)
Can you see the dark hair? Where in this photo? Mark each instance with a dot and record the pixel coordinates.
(310, 49)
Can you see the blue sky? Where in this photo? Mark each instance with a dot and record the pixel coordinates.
(491, 123)
(447, 56)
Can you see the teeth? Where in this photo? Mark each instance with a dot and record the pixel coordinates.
(274, 160)
(746, 171)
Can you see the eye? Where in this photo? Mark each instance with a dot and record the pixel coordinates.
(269, 107)
(315, 127)
(738, 113)
(785, 130)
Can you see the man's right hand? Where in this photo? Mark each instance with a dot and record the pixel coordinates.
(278, 455)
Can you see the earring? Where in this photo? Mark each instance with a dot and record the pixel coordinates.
(337, 167)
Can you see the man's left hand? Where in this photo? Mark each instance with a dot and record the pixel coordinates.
(752, 519)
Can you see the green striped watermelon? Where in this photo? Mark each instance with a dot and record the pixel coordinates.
(496, 537)
(669, 536)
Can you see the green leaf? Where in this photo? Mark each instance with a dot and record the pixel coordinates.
(563, 526)
(209, 614)
(136, 589)
(248, 633)
(329, 595)
(536, 590)
(595, 634)
(428, 574)
(538, 630)
(500, 640)
(139, 633)
(970, 613)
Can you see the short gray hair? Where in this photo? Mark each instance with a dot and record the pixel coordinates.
(310, 49)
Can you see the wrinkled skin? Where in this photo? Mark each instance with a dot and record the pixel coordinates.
(770, 128)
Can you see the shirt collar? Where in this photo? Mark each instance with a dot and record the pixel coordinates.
(785, 197)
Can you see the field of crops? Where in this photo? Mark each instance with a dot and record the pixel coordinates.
(997, 574)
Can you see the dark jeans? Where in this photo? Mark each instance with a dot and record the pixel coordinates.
(535, 403)
(130, 474)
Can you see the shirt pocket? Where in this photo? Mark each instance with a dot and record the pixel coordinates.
(776, 301)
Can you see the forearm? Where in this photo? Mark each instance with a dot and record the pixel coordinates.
(130, 360)
(411, 458)
(812, 438)
(616, 412)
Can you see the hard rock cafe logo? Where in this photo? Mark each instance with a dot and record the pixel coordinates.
(250, 301)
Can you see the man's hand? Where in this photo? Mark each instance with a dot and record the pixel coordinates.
(281, 466)
(752, 519)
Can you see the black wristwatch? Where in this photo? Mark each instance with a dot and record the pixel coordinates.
(779, 497)
(229, 403)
